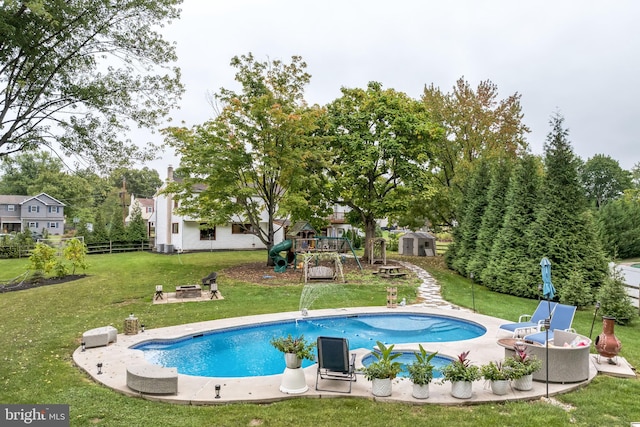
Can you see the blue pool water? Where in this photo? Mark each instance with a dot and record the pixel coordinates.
(246, 351)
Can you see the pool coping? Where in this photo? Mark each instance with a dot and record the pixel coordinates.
(195, 390)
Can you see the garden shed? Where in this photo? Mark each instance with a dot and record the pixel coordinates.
(417, 244)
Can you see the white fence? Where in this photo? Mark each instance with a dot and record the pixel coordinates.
(631, 277)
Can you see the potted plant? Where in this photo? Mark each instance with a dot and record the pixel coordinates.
(295, 349)
(461, 373)
(383, 370)
(522, 367)
(498, 376)
(421, 373)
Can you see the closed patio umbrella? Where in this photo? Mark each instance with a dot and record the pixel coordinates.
(548, 291)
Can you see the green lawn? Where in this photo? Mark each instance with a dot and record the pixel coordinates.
(42, 327)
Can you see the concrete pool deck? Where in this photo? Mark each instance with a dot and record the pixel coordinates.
(201, 390)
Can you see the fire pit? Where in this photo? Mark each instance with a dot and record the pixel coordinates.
(188, 291)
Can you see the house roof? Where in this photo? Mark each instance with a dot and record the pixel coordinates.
(419, 235)
(298, 227)
(43, 198)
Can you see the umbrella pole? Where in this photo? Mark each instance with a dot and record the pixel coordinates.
(547, 325)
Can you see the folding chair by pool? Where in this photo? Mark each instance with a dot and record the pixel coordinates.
(335, 362)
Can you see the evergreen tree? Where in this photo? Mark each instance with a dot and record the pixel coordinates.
(475, 204)
(563, 231)
(117, 231)
(506, 270)
(99, 234)
(492, 219)
(619, 226)
(136, 229)
(614, 300)
(576, 291)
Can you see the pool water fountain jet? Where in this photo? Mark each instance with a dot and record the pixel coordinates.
(311, 292)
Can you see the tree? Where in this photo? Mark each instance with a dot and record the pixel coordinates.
(19, 173)
(506, 270)
(476, 124)
(604, 180)
(564, 230)
(75, 251)
(243, 164)
(379, 144)
(492, 219)
(73, 74)
(473, 207)
(136, 229)
(143, 183)
(614, 300)
(619, 226)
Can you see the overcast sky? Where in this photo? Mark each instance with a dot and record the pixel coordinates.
(581, 58)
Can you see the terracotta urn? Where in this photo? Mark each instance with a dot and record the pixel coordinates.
(607, 344)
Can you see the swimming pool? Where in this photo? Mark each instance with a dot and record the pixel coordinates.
(245, 351)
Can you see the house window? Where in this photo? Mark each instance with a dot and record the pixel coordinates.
(11, 208)
(241, 229)
(34, 208)
(54, 209)
(207, 232)
(149, 209)
(53, 225)
(33, 225)
(174, 228)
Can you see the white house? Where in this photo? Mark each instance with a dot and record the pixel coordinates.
(174, 232)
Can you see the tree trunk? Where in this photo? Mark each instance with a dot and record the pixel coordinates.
(369, 233)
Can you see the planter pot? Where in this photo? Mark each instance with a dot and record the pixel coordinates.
(381, 387)
(461, 389)
(420, 391)
(500, 387)
(292, 361)
(524, 383)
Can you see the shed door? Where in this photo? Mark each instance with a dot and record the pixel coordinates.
(407, 246)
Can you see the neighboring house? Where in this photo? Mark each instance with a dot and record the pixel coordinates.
(146, 209)
(36, 213)
(175, 232)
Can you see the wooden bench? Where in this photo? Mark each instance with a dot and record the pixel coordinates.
(152, 379)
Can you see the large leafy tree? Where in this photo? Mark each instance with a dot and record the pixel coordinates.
(477, 124)
(75, 74)
(247, 162)
(604, 180)
(380, 142)
(143, 183)
(619, 222)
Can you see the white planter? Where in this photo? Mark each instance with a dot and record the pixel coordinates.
(420, 391)
(461, 389)
(292, 361)
(500, 387)
(381, 387)
(524, 383)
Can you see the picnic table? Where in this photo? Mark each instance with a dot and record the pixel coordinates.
(390, 271)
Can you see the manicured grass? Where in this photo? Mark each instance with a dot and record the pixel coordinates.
(42, 327)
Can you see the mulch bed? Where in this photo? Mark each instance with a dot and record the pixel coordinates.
(28, 284)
